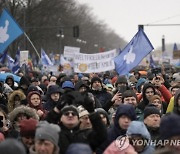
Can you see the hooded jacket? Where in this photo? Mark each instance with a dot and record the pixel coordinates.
(116, 131)
(50, 104)
(145, 101)
(138, 128)
(12, 78)
(11, 103)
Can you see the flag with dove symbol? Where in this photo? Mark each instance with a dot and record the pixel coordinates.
(9, 30)
(138, 48)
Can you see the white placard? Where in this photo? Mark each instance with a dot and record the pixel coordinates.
(24, 57)
(89, 63)
(70, 51)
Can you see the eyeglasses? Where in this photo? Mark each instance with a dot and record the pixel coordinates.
(68, 113)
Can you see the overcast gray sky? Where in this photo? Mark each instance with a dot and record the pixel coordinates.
(124, 16)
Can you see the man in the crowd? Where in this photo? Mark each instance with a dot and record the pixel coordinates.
(152, 118)
(84, 120)
(46, 139)
(67, 117)
(129, 97)
(99, 92)
(53, 96)
(123, 117)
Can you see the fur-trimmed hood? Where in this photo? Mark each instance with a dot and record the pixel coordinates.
(21, 95)
(31, 113)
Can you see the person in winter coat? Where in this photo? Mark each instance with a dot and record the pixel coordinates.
(123, 117)
(137, 132)
(68, 119)
(129, 97)
(152, 118)
(15, 99)
(35, 102)
(10, 81)
(24, 83)
(46, 139)
(99, 92)
(53, 96)
(18, 114)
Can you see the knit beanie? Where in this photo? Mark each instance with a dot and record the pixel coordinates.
(95, 79)
(79, 148)
(12, 146)
(151, 110)
(82, 111)
(69, 108)
(67, 84)
(47, 131)
(121, 79)
(170, 126)
(28, 127)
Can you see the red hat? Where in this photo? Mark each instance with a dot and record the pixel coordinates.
(28, 127)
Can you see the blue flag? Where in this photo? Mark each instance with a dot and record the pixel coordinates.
(10, 62)
(16, 65)
(138, 48)
(45, 59)
(3, 57)
(9, 30)
(151, 62)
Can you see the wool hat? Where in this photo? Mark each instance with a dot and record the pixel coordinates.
(95, 79)
(68, 84)
(11, 145)
(69, 108)
(47, 131)
(170, 126)
(151, 110)
(54, 89)
(32, 88)
(28, 127)
(82, 111)
(80, 148)
(121, 79)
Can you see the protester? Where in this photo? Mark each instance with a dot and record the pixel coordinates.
(27, 132)
(35, 101)
(152, 118)
(99, 92)
(138, 133)
(53, 96)
(46, 139)
(123, 117)
(16, 98)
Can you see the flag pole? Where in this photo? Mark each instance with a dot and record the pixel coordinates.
(32, 45)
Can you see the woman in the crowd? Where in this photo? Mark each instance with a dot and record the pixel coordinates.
(35, 102)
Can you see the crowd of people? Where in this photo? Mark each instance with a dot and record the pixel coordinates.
(90, 113)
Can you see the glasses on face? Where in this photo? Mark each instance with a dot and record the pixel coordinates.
(70, 112)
